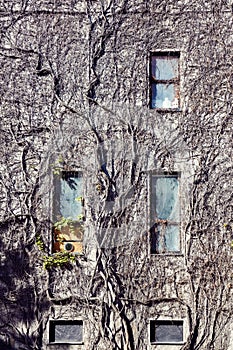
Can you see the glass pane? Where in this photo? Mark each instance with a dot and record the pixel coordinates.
(168, 331)
(165, 96)
(172, 239)
(70, 201)
(165, 192)
(66, 331)
(165, 67)
(165, 238)
(159, 240)
(68, 230)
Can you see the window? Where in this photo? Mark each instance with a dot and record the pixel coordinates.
(165, 81)
(165, 214)
(66, 332)
(166, 332)
(68, 212)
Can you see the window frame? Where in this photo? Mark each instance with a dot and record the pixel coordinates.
(56, 243)
(153, 224)
(168, 321)
(175, 81)
(51, 332)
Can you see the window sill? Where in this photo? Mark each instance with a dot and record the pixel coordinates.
(168, 343)
(167, 254)
(166, 110)
(64, 343)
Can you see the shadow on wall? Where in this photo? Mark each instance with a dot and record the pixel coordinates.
(21, 303)
(4, 346)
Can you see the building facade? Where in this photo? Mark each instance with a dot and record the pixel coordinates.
(116, 167)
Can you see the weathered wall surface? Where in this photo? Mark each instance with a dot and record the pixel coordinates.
(74, 85)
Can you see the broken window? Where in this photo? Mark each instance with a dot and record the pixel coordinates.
(165, 81)
(166, 332)
(66, 331)
(165, 214)
(68, 212)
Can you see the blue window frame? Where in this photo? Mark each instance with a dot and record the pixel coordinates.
(165, 214)
(165, 81)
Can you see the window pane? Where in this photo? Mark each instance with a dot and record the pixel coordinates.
(67, 196)
(159, 246)
(166, 331)
(165, 67)
(165, 96)
(71, 190)
(172, 239)
(66, 331)
(165, 193)
(165, 238)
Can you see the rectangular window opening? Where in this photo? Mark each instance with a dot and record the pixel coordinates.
(166, 332)
(68, 212)
(66, 332)
(165, 81)
(165, 214)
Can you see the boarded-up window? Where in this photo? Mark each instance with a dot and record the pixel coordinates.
(166, 332)
(165, 214)
(66, 332)
(68, 212)
(165, 80)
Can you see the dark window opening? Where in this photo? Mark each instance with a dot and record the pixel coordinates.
(166, 332)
